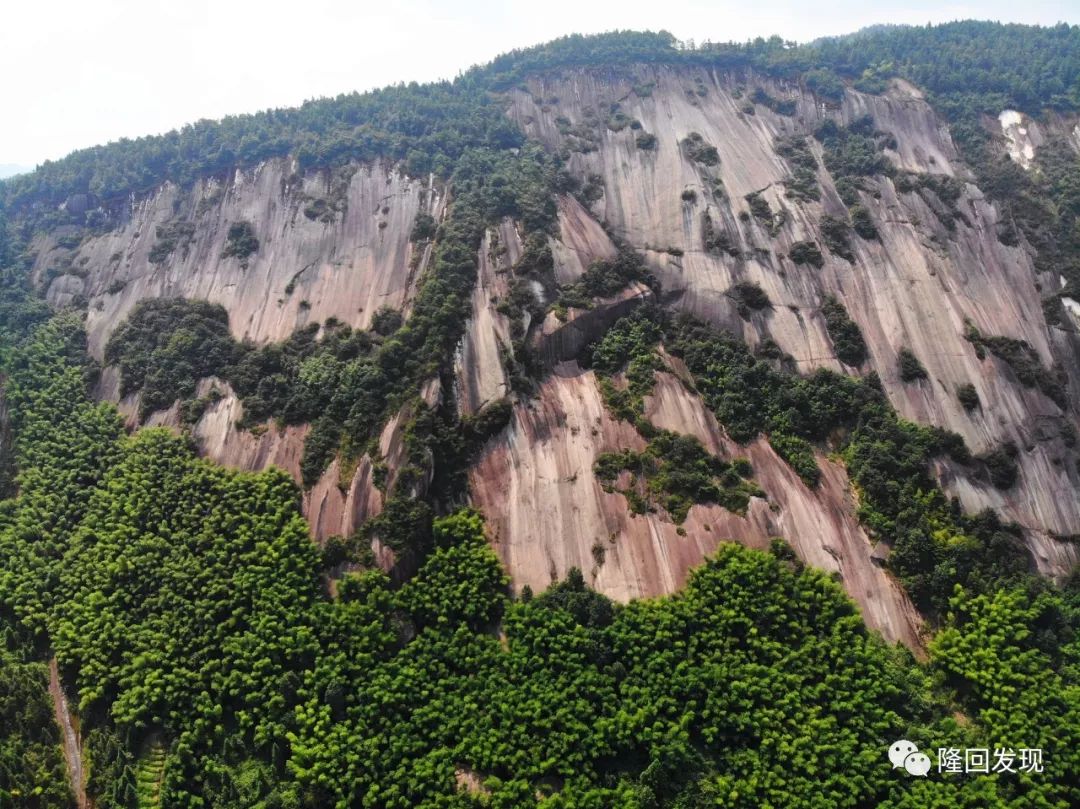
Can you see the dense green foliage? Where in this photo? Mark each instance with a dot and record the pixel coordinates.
(675, 472)
(968, 396)
(604, 279)
(844, 332)
(240, 241)
(798, 453)
(166, 346)
(763, 212)
(835, 233)
(20, 312)
(911, 368)
(980, 65)
(781, 106)
(628, 347)
(853, 151)
(31, 767)
(807, 253)
(699, 151)
(443, 121)
(1000, 465)
(852, 154)
(803, 183)
(1013, 658)
(187, 606)
(645, 140)
(749, 298)
(716, 240)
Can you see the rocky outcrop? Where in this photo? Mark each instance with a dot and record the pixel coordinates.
(343, 258)
(547, 512)
(1022, 136)
(562, 335)
(929, 273)
(581, 241)
(480, 364)
(338, 245)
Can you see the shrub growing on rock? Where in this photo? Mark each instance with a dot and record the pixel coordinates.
(911, 369)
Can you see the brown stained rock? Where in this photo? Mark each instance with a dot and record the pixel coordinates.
(346, 268)
(820, 524)
(915, 287)
(545, 509)
(331, 511)
(222, 441)
(480, 373)
(581, 241)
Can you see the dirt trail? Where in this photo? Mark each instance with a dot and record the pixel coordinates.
(72, 743)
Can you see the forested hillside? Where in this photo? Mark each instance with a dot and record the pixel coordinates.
(214, 656)
(969, 66)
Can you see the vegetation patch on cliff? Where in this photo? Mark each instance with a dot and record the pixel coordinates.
(796, 151)
(844, 332)
(699, 151)
(606, 278)
(1024, 362)
(674, 472)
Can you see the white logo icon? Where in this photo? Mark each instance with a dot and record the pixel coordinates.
(906, 754)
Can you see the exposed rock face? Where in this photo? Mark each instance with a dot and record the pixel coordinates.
(305, 270)
(481, 374)
(581, 241)
(548, 513)
(1022, 135)
(562, 338)
(915, 287)
(220, 439)
(931, 271)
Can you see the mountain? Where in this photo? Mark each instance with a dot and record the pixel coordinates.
(523, 353)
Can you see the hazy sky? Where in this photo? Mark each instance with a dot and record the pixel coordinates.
(75, 74)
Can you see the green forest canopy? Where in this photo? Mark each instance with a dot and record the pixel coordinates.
(967, 66)
(183, 602)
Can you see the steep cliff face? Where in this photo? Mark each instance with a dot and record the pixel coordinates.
(338, 245)
(480, 368)
(329, 245)
(547, 512)
(915, 287)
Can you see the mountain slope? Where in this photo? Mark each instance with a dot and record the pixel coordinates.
(630, 301)
(938, 263)
(930, 272)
